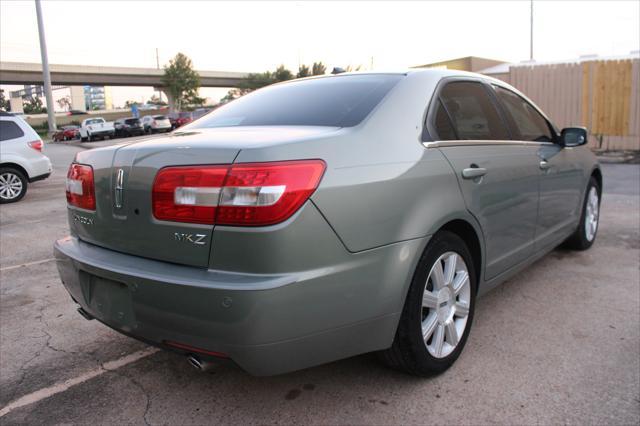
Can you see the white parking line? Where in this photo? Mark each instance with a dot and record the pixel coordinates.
(36, 262)
(41, 394)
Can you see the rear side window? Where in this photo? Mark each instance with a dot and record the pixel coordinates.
(523, 117)
(473, 114)
(10, 130)
(443, 125)
(340, 101)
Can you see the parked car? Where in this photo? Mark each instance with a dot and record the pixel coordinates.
(322, 218)
(66, 133)
(76, 112)
(179, 119)
(131, 126)
(156, 123)
(92, 128)
(21, 159)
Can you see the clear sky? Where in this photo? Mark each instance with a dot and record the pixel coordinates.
(257, 36)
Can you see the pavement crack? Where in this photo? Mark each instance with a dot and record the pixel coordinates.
(137, 385)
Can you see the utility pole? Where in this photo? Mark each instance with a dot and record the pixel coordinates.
(46, 75)
(531, 34)
(158, 67)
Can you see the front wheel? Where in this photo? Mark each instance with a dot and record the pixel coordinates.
(13, 185)
(438, 311)
(585, 235)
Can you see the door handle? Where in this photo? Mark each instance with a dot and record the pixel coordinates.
(544, 165)
(473, 172)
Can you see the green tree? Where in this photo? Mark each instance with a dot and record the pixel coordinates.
(33, 105)
(252, 82)
(181, 81)
(303, 71)
(5, 105)
(282, 74)
(129, 104)
(318, 68)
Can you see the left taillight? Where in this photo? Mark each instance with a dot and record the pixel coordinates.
(249, 194)
(37, 145)
(80, 187)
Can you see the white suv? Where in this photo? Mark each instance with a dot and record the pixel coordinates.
(21, 158)
(156, 123)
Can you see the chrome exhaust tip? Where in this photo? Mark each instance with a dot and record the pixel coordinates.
(199, 364)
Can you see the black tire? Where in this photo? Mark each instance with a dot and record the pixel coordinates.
(83, 139)
(409, 352)
(10, 172)
(89, 137)
(578, 240)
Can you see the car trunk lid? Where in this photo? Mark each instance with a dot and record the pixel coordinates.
(123, 220)
(124, 176)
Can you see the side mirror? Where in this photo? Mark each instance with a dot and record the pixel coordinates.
(573, 136)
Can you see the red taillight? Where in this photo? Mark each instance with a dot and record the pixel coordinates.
(37, 145)
(252, 194)
(80, 187)
(188, 194)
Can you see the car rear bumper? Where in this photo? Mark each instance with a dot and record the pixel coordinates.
(39, 177)
(267, 324)
(39, 168)
(102, 132)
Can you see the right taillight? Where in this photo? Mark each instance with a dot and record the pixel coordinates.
(250, 194)
(80, 187)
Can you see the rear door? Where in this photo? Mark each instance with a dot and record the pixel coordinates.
(498, 176)
(560, 170)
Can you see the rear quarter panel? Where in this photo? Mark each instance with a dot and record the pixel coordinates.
(381, 184)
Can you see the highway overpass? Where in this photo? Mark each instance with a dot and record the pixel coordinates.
(80, 75)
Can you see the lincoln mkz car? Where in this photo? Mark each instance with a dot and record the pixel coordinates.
(327, 217)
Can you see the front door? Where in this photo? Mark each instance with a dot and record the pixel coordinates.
(561, 175)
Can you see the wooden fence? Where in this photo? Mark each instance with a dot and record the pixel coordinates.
(602, 95)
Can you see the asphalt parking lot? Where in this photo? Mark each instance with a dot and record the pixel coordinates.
(560, 343)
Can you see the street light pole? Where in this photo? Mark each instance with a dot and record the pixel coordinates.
(531, 35)
(46, 75)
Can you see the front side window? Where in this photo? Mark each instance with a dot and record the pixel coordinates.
(473, 114)
(340, 101)
(528, 123)
(10, 130)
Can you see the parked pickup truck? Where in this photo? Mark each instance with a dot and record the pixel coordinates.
(96, 128)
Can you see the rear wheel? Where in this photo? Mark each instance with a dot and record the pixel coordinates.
(13, 185)
(438, 311)
(585, 235)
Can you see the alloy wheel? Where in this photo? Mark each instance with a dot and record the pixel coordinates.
(592, 213)
(445, 304)
(10, 186)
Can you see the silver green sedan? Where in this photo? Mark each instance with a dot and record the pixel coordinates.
(323, 218)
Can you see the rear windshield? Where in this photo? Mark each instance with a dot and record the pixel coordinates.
(132, 121)
(95, 121)
(159, 117)
(341, 101)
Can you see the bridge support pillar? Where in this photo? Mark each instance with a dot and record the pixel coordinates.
(16, 104)
(77, 98)
(170, 99)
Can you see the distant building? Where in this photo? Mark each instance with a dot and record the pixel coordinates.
(468, 63)
(97, 97)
